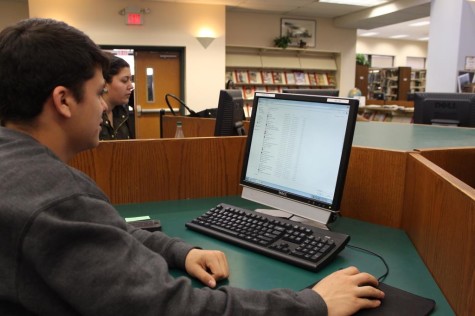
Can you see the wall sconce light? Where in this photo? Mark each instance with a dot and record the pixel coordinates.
(205, 40)
(206, 36)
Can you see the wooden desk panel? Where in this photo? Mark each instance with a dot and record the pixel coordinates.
(192, 126)
(166, 169)
(460, 162)
(136, 171)
(374, 187)
(439, 217)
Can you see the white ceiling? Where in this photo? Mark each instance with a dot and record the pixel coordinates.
(395, 20)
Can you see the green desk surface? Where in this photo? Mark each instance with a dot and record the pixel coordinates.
(250, 270)
(406, 137)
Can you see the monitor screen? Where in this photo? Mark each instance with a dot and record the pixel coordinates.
(297, 153)
(230, 114)
(453, 109)
(325, 92)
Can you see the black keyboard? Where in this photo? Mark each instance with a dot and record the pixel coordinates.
(295, 243)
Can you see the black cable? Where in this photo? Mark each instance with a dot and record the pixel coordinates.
(192, 113)
(383, 277)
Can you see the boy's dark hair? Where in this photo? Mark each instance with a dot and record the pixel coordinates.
(37, 55)
(115, 66)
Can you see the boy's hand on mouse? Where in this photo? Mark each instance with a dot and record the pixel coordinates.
(208, 266)
(348, 290)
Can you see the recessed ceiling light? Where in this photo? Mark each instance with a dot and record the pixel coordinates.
(369, 34)
(422, 23)
(363, 3)
(399, 36)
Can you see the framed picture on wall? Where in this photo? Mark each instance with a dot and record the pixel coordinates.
(301, 32)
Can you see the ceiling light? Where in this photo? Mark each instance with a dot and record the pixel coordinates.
(426, 38)
(363, 3)
(399, 36)
(422, 23)
(369, 34)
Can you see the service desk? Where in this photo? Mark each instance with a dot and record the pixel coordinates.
(250, 270)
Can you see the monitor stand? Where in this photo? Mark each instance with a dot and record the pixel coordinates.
(291, 217)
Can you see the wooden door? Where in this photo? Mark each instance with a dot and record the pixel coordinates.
(156, 74)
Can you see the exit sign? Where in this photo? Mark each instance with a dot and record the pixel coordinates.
(134, 19)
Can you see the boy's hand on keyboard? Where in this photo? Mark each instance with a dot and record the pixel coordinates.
(348, 290)
(208, 266)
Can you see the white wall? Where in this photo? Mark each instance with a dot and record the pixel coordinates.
(254, 29)
(168, 24)
(400, 49)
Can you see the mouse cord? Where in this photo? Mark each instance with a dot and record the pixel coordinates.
(381, 278)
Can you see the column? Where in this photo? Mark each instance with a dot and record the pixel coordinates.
(451, 39)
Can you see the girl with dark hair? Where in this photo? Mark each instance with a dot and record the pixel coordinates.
(116, 122)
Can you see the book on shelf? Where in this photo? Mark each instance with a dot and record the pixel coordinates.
(322, 79)
(289, 77)
(247, 109)
(260, 89)
(267, 77)
(255, 77)
(230, 75)
(242, 76)
(331, 79)
(273, 89)
(248, 92)
(380, 117)
(279, 77)
(301, 78)
(311, 79)
(368, 115)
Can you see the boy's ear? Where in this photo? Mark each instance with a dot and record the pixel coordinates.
(62, 98)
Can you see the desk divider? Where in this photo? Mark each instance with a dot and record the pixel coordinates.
(134, 171)
(460, 162)
(439, 217)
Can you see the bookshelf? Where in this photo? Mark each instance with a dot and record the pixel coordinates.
(418, 80)
(394, 83)
(254, 69)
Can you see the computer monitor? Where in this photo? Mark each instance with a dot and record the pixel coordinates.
(297, 153)
(230, 113)
(325, 92)
(454, 109)
(462, 81)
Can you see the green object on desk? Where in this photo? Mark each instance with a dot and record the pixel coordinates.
(137, 218)
(254, 271)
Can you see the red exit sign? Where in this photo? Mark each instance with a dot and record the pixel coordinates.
(134, 19)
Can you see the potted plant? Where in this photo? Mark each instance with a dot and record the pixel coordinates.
(282, 41)
(361, 60)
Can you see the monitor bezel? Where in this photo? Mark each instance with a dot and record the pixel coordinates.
(309, 91)
(297, 205)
